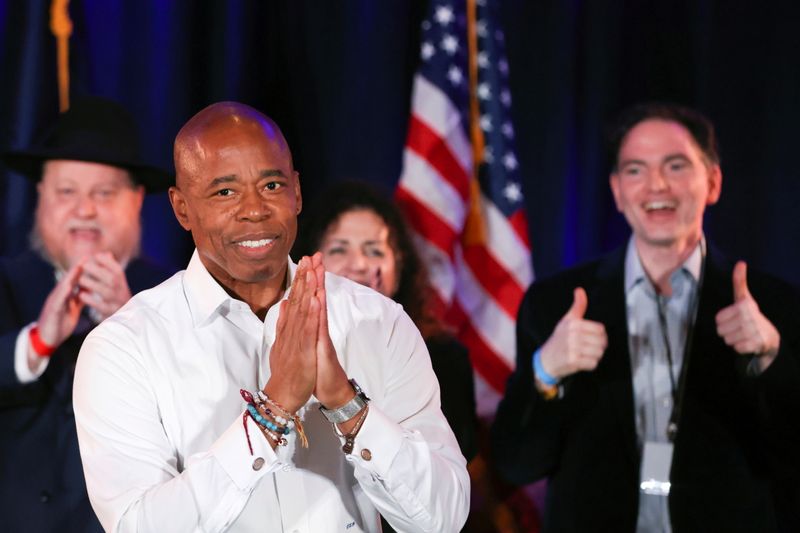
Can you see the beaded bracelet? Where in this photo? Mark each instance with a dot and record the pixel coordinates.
(298, 424)
(262, 397)
(266, 422)
(262, 406)
(280, 441)
(252, 412)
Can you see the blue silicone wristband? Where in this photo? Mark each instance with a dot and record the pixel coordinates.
(540, 372)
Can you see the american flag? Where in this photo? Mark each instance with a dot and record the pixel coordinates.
(460, 186)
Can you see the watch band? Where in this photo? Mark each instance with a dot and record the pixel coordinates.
(348, 410)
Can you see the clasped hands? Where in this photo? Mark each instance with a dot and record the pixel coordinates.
(97, 281)
(578, 344)
(303, 360)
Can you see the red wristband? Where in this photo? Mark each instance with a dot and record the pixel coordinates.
(41, 348)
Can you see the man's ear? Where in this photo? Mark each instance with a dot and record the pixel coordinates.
(298, 195)
(140, 192)
(613, 181)
(180, 207)
(714, 184)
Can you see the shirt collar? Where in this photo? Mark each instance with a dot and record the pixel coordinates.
(206, 296)
(635, 274)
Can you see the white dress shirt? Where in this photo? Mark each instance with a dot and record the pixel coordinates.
(161, 430)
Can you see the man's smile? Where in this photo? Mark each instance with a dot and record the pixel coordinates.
(255, 243)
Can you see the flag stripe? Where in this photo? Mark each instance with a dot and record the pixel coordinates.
(432, 106)
(520, 224)
(485, 361)
(494, 279)
(488, 397)
(441, 270)
(495, 325)
(505, 246)
(425, 142)
(422, 180)
(426, 222)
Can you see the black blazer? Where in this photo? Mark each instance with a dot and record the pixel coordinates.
(733, 453)
(41, 478)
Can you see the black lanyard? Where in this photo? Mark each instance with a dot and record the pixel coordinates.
(679, 392)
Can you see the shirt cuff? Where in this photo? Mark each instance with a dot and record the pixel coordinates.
(233, 454)
(377, 443)
(23, 371)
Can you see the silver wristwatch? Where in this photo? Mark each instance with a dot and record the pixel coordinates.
(348, 410)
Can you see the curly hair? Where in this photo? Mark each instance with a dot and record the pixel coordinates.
(413, 290)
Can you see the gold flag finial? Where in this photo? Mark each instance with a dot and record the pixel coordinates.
(61, 26)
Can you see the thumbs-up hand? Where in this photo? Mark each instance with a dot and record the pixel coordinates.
(740, 290)
(576, 344)
(742, 325)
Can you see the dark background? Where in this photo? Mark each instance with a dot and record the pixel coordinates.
(337, 77)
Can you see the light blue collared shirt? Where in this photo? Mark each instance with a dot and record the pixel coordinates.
(650, 367)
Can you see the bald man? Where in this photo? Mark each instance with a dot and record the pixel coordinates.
(251, 393)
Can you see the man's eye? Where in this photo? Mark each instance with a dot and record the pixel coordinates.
(632, 171)
(224, 192)
(64, 191)
(677, 167)
(273, 186)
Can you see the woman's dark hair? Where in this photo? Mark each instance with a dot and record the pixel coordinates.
(413, 289)
(700, 127)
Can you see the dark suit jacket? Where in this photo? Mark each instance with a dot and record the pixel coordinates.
(41, 478)
(733, 449)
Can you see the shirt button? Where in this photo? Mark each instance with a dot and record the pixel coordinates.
(287, 468)
(366, 454)
(44, 496)
(258, 463)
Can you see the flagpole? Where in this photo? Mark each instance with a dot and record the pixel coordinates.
(474, 230)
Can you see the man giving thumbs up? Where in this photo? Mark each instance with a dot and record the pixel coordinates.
(658, 388)
(744, 327)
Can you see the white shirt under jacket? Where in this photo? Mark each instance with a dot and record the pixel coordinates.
(161, 436)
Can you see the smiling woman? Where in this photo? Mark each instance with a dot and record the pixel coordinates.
(363, 237)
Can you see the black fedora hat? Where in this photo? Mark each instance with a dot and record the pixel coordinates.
(96, 130)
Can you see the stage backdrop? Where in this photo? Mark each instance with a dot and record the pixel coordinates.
(337, 76)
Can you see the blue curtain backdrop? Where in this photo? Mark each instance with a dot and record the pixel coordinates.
(337, 77)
